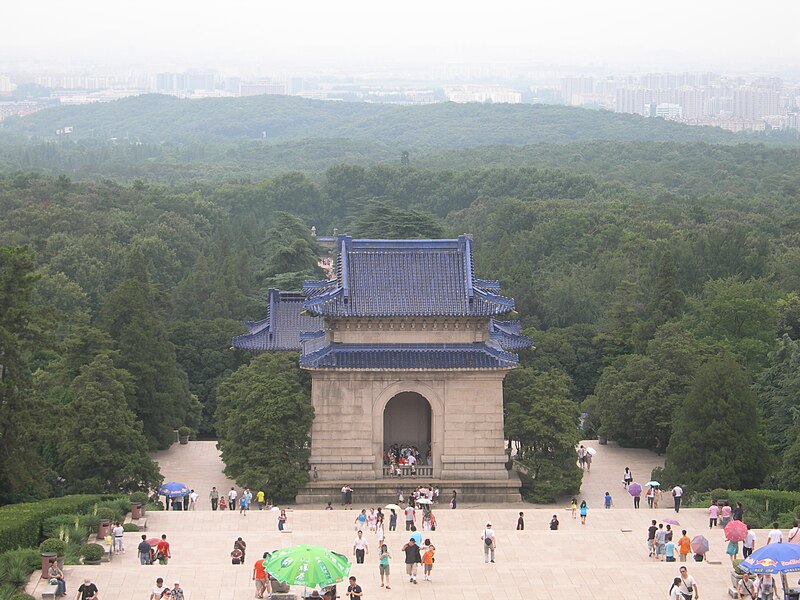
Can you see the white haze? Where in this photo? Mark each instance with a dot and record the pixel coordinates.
(675, 34)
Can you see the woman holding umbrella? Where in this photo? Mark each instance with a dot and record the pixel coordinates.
(635, 490)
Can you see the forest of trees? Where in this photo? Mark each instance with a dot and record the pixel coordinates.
(660, 281)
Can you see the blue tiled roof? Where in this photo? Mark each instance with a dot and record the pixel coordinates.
(405, 278)
(408, 357)
(508, 334)
(282, 328)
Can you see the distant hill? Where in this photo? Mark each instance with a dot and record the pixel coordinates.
(158, 118)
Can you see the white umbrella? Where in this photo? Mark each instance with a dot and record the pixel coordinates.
(392, 506)
(591, 451)
(424, 501)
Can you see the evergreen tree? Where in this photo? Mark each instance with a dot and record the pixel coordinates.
(716, 438)
(21, 469)
(263, 421)
(103, 446)
(778, 389)
(385, 222)
(133, 315)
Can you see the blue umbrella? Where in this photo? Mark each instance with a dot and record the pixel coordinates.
(783, 557)
(173, 489)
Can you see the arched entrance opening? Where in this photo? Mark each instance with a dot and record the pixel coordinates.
(407, 430)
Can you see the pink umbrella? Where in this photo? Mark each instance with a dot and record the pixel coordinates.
(635, 489)
(700, 544)
(153, 541)
(735, 531)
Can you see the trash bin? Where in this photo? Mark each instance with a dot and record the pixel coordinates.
(136, 511)
(602, 440)
(103, 529)
(46, 558)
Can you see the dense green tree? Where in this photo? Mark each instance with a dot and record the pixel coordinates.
(263, 421)
(203, 351)
(542, 422)
(133, 316)
(634, 402)
(789, 474)
(103, 445)
(717, 440)
(665, 302)
(290, 249)
(381, 221)
(778, 389)
(21, 470)
(739, 315)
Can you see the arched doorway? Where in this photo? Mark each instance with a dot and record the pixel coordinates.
(406, 425)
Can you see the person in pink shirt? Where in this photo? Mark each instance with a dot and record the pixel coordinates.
(726, 514)
(713, 514)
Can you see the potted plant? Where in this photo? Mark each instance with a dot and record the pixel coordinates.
(52, 548)
(92, 554)
(183, 434)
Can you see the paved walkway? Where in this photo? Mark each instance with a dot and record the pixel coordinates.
(604, 559)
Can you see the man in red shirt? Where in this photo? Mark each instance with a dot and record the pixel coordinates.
(162, 550)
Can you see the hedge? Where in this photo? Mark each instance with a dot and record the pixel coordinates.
(762, 507)
(21, 524)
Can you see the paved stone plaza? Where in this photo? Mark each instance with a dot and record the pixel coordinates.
(597, 561)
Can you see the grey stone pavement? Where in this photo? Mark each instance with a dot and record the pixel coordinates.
(599, 560)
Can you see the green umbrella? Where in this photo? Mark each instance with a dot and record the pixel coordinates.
(309, 566)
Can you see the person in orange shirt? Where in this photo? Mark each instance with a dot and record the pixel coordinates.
(684, 546)
(428, 550)
(260, 577)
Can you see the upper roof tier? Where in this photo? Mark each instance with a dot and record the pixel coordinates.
(405, 278)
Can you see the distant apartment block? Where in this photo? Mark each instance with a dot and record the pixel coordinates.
(482, 94)
(263, 88)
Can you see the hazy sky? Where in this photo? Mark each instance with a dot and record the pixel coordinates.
(690, 34)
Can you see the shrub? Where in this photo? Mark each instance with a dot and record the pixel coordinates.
(21, 524)
(56, 527)
(130, 527)
(21, 596)
(77, 535)
(28, 556)
(89, 522)
(140, 497)
(106, 512)
(184, 431)
(92, 552)
(53, 545)
(15, 569)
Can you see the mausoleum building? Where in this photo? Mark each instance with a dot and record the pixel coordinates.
(406, 347)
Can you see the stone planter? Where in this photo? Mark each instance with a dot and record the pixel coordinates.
(183, 439)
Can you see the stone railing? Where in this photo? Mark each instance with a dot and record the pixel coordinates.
(423, 471)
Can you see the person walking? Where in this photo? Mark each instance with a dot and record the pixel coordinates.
(489, 543)
(650, 494)
(213, 497)
(775, 535)
(427, 560)
(713, 514)
(584, 510)
(688, 585)
(675, 590)
(410, 515)
(393, 520)
(177, 592)
(765, 587)
(163, 553)
(738, 512)
(354, 590)
(260, 497)
(684, 546)
(260, 576)
(383, 565)
(412, 559)
(521, 522)
(87, 590)
(282, 520)
(143, 549)
(240, 545)
(360, 547)
(243, 506)
(661, 541)
(607, 501)
(454, 500)
(118, 534)
(627, 478)
(554, 523)
(677, 495)
(573, 505)
(582, 457)
(637, 497)
(794, 533)
(232, 495)
(193, 497)
(651, 538)
(746, 588)
(749, 543)
(158, 589)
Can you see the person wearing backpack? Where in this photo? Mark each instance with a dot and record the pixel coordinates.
(489, 543)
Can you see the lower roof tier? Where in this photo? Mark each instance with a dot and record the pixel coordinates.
(409, 357)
